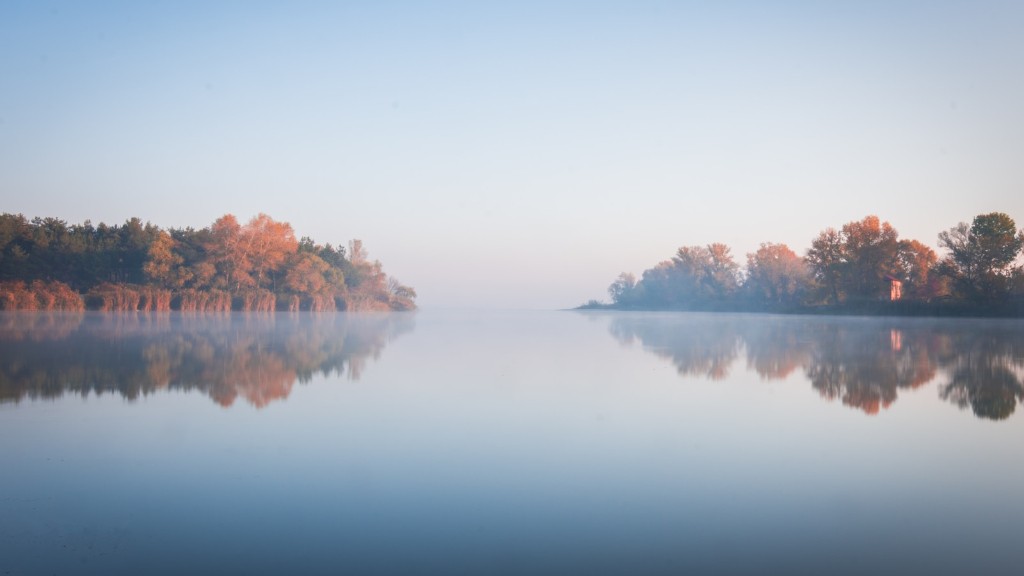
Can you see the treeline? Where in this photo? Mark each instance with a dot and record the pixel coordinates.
(47, 264)
(862, 267)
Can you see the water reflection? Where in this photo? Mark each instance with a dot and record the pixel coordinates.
(707, 347)
(256, 357)
(986, 373)
(863, 363)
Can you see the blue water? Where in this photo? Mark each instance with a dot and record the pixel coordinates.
(509, 443)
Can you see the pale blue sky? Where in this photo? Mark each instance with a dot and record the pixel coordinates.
(516, 154)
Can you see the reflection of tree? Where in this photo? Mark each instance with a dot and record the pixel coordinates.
(985, 373)
(704, 345)
(17, 326)
(863, 363)
(777, 347)
(258, 357)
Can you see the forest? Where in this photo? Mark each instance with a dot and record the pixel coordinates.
(863, 267)
(48, 264)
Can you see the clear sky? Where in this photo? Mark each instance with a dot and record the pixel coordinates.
(516, 154)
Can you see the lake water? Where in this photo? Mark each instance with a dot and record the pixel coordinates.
(509, 443)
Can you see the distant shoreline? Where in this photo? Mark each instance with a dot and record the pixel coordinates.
(1012, 309)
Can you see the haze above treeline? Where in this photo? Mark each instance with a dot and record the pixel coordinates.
(47, 264)
(864, 266)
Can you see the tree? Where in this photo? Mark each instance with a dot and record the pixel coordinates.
(657, 286)
(267, 244)
(870, 252)
(721, 272)
(163, 265)
(980, 260)
(357, 254)
(916, 262)
(696, 277)
(775, 274)
(401, 296)
(227, 252)
(15, 245)
(622, 289)
(998, 241)
(826, 261)
(305, 274)
(705, 273)
(687, 273)
(859, 261)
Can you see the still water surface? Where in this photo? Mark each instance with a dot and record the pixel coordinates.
(509, 443)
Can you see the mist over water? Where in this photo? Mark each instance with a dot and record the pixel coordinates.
(509, 443)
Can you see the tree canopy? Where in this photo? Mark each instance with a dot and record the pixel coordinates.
(256, 265)
(859, 264)
(981, 256)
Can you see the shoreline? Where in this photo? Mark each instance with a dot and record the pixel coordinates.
(1009, 310)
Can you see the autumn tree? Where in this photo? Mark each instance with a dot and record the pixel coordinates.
(916, 263)
(858, 261)
(870, 255)
(163, 265)
(227, 253)
(775, 274)
(267, 243)
(305, 274)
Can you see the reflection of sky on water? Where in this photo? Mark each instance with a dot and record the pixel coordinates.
(519, 443)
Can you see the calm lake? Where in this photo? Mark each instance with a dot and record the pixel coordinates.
(509, 443)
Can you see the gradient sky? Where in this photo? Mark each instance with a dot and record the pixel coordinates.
(516, 154)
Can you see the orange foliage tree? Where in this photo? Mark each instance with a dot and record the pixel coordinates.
(267, 244)
(227, 253)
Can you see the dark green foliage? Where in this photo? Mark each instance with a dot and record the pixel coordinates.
(980, 264)
(79, 255)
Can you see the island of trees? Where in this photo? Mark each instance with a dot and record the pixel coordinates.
(47, 264)
(863, 267)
